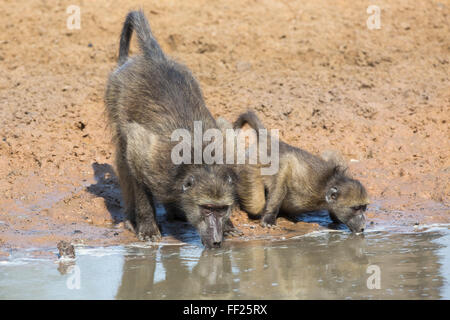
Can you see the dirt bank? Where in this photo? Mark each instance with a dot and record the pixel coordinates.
(313, 70)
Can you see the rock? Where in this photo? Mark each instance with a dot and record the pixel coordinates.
(405, 26)
(80, 125)
(66, 250)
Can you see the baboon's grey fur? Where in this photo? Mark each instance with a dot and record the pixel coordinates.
(147, 98)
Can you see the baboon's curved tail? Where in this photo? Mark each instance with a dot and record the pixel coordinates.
(248, 117)
(137, 21)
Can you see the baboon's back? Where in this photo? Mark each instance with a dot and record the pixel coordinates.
(162, 96)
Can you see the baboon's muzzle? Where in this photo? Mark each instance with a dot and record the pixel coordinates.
(357, 224)
(214, 216)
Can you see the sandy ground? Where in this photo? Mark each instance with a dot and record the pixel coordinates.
(311, 69)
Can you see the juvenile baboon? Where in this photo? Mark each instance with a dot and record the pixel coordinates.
(148, 97)
(303, 183)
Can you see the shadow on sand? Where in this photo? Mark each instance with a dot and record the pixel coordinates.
(107, 187)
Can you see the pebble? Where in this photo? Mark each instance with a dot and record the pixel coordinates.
(66, 250)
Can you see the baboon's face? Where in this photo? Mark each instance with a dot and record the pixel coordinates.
(207, 198)
(347, 201)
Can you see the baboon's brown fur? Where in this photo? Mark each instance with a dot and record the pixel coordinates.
(304, 183)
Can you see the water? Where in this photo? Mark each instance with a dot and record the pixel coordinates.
(326, 265)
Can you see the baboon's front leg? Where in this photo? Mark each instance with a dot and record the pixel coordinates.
(230, 230)
(273, 204)
(127, 189)
(146, 226)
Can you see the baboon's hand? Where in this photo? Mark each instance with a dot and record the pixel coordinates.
(269, 221)
(233, 232)
(230, 230)
(148, 232)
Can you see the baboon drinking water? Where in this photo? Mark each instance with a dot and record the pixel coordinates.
(148, 97)
(303, 183)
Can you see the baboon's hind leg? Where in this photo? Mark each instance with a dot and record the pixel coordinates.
(275, 196)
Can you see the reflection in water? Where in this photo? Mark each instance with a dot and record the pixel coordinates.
(189, 272)
(321, 266)
(325, 266)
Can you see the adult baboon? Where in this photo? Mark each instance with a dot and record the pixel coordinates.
(148, 97)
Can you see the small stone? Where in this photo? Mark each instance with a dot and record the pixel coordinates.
(405, 26)
(80, 125)
(66, 250)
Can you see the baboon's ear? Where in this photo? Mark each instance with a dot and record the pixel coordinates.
(139, 144)
(332, 195)
(336, 158)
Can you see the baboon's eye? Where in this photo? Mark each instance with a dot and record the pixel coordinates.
(360, 208)
(189, 183)
(209, 209)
